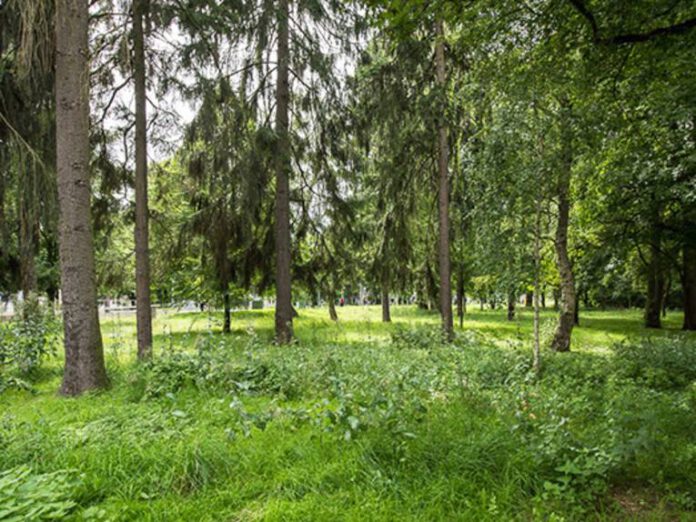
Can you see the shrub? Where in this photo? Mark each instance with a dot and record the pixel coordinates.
(25, 341)
(657, 363)
(212, 368)
(421, 338)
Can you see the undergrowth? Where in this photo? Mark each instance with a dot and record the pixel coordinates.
(407, 427)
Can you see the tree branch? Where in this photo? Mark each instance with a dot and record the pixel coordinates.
(630, 38)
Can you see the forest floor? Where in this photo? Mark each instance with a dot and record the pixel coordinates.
(361, 420)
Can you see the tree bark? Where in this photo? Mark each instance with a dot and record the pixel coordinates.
(689, 287)
(576, 312)
(84, 355)
(536, 364)
(443, 194)
(142, 240)
(566, 320)
(27, 245)
(511, 307)
(330, 297)
(461, 299)
(386, 308)
(656, 280)
(284, 309)
(227, 320)
(528, 299)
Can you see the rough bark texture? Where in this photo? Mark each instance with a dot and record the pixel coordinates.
(689, 287)
(284, 309)
(84, 356)
(566, 320)
(386, 311)
(443, 196)
(142, 241)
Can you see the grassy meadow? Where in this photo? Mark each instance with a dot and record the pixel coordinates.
(361, 420)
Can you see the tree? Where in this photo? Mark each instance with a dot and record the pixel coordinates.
(284, 309)
(443, 193)
(84, 357)
(566, 320)
(142, 233)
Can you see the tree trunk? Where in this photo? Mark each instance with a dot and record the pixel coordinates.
(142, 241)
(331, 299)
(461, 299)
(84, 355)
(576, 312)
(443, 194)
(689, 287)
(528, 299)
(511, 307)
(227, 320)
(566, 320)
(27, 247)
(386, 312)
(28, 224)
(284, 308)
(536, 364)
(543, 299)
(656, 284)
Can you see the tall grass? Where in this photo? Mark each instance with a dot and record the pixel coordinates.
(365, 421)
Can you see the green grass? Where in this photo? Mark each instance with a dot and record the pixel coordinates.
(362, 420)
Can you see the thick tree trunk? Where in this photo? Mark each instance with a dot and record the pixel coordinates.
(142, 241)
(566, 320)
(689, 287)
(386, 309)
(656, 284)
(227, 319)
(284, 308)
(511, 307)
(84, 356)
(528, 299)
(443, 195)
